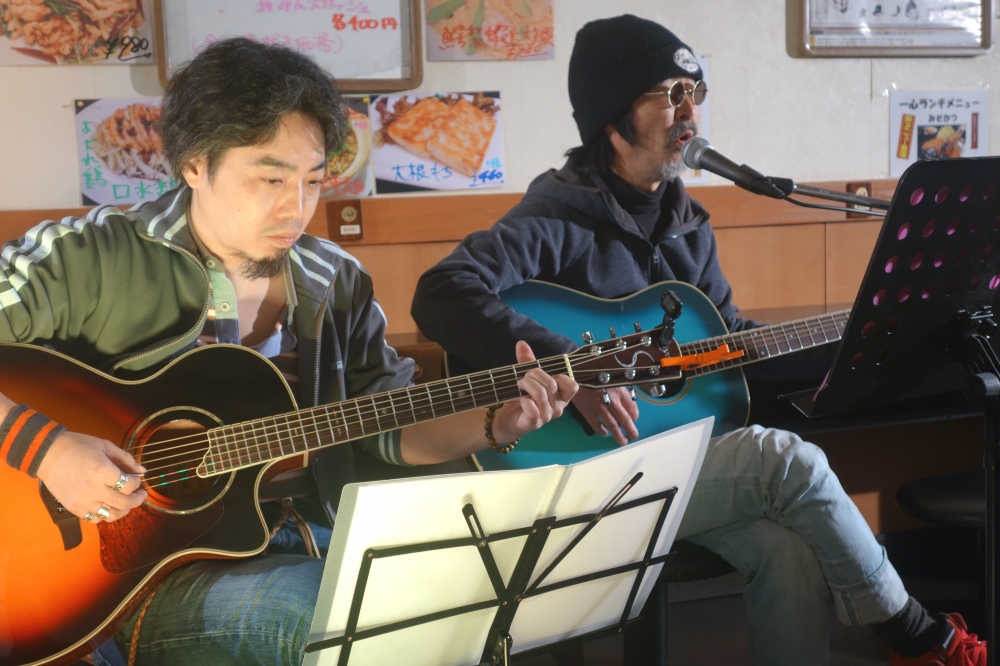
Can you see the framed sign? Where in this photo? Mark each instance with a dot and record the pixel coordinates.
(367, 45)
(895, 27)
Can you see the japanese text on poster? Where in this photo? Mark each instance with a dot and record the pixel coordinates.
(938, 124)
(120, 151)
(489, 29)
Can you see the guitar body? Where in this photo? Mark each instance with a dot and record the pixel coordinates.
(67, 585)
(721, 394)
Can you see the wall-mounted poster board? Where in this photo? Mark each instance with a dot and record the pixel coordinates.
(367, 45)
(905, 28)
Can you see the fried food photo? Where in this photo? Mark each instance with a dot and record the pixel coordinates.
(130, 144)
(69, 30)
(450, 129)
(946, 141)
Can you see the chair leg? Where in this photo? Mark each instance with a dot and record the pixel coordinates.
(646, 642)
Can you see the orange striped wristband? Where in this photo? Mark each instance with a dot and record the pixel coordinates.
(25, 438)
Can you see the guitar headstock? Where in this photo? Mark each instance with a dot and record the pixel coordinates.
(624, 361)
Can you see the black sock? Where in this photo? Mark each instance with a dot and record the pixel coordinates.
(912, 632)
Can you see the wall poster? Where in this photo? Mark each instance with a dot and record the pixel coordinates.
(489, 29)
(936, 124)
(448, 141)
(349, 170)
(895, 27)
(62, 32)
(120, 150)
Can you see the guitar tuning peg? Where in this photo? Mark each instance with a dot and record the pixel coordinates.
(638, 327)
(606, 397)
(612, 329)
(631, 392)
(658, 390)
(587, 337)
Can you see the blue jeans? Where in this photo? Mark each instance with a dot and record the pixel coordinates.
(213, 613)
(768, 503)
(765, 501)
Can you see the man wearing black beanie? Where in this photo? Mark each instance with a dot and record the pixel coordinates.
(614, 220)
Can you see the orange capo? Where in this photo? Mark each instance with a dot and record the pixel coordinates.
(694, 361)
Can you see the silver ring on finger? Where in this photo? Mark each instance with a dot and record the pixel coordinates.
(104, 512)
(122, 480)
(88, 516)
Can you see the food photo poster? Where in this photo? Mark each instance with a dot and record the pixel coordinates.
(120, 151)
(444, 141)
(65, 32)
(349, 172)
(936, 124)
(489, 29)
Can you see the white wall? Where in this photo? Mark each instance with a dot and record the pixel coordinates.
(807, 119)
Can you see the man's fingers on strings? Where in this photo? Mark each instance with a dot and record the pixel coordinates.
(547, 382)
(116, 500)
(567, 387)
(537, 396)
(122, 459)
(531, 417)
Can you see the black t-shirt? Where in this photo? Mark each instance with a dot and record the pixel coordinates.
(644, 207)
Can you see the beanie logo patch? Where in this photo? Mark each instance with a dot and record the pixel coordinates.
(686, 60)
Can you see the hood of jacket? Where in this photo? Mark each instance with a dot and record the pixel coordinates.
(574, 188)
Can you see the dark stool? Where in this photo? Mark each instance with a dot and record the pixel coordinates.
(953, 500)
(646, 639)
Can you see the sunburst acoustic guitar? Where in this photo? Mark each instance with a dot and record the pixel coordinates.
(208, 447)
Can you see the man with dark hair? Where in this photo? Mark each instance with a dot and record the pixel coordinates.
(248, 129)
(614, 220)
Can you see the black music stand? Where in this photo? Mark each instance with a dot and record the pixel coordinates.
(496, 651)
(921, 323)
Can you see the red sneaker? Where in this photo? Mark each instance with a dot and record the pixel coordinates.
(961, 649)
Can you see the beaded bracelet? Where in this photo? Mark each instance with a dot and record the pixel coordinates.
(499, 448)
(25, 438)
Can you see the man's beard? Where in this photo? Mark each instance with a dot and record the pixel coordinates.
(674, 165)
(263, 269)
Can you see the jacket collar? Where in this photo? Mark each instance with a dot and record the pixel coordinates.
(590, 194)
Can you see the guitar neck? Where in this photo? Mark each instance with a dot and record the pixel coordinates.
(253, 442)
(766, 342)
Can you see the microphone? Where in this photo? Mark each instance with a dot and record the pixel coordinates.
(698, 153)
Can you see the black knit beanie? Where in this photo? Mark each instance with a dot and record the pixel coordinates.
(617, 59)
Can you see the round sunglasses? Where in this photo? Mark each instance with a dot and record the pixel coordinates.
(676, 93)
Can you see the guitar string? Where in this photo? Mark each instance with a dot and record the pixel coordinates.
(803, 327)
(443, 386)
(439, 390)
(301, 426)
(436, 391)
(767, 336)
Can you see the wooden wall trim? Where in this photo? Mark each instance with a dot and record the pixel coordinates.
(433, 218)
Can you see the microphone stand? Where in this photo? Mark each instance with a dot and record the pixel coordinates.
(788, 187)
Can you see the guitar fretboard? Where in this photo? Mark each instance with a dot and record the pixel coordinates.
(770, 341)
(253, 442)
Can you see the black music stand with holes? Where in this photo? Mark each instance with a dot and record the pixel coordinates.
(921, 323)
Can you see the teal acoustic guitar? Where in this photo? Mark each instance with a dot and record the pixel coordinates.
(718, 389)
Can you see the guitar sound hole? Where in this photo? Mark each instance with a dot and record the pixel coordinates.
(170, 446)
